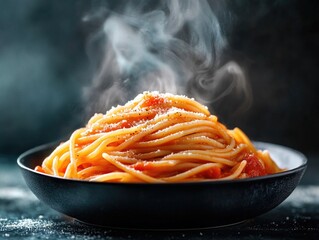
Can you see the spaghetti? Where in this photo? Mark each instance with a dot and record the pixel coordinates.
(157, 138)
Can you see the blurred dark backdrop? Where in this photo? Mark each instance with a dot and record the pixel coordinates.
(44, 68)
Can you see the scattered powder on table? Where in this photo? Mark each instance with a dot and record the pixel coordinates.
(28, 224)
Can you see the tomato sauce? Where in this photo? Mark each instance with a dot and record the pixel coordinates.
(254, 167)
(142, 166)
(212, 173)
(153, 101)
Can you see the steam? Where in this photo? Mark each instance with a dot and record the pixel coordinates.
(177, 48)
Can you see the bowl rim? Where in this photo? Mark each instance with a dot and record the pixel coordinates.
(47, 146)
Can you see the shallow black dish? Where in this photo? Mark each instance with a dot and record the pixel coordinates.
(165, 206)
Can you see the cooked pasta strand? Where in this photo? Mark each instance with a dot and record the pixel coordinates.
(157, 138)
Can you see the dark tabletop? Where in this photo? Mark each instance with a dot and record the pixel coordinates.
(23, 216)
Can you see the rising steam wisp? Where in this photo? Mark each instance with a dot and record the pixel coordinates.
(175, 46)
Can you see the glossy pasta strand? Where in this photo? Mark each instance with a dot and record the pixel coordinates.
(157, 138)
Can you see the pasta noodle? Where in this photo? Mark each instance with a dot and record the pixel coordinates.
(157, 138)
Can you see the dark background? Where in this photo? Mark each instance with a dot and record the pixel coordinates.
(44, 68)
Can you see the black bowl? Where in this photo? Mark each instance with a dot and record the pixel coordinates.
(165, 205)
